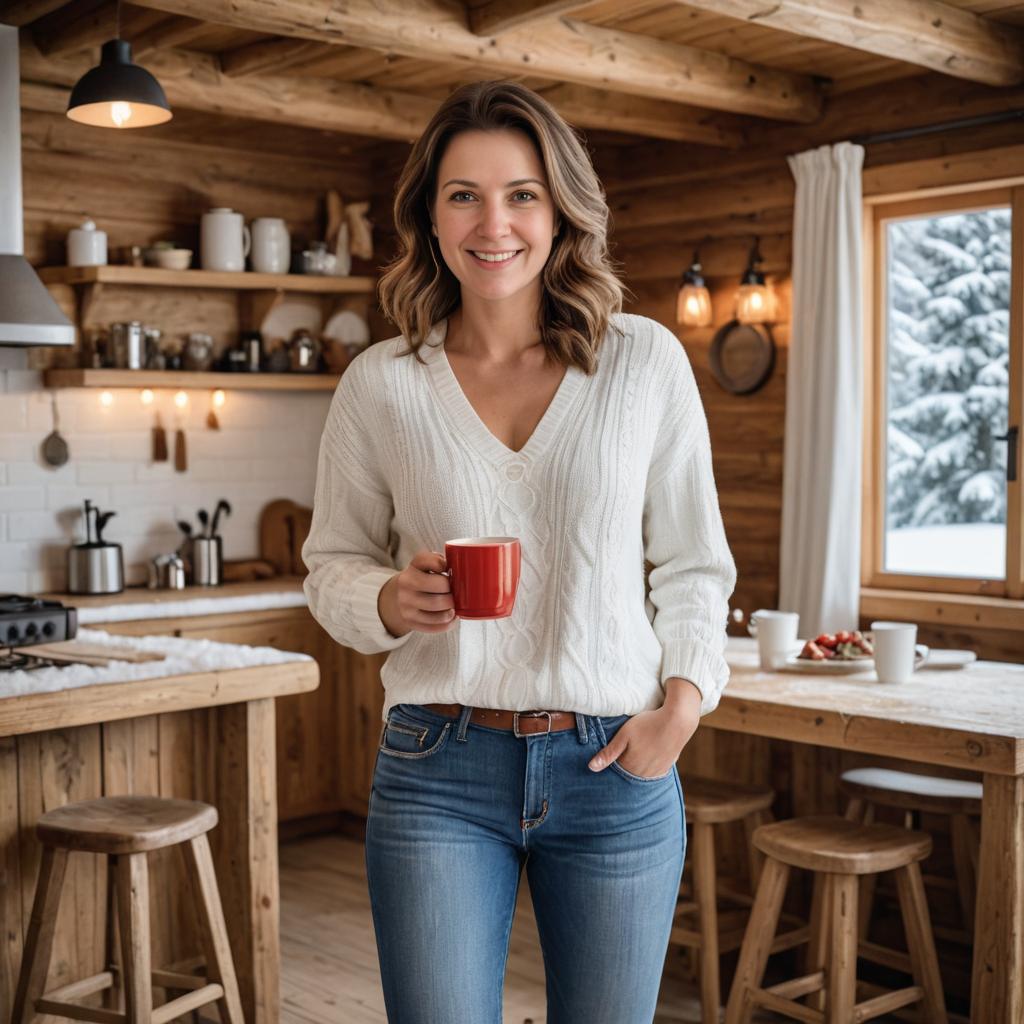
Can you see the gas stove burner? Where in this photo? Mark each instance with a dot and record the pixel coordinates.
(25, 621)
(16, 661)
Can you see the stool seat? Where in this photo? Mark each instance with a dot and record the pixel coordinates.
(714, 801)
(125, 824)
(925, 792)
(834, 844)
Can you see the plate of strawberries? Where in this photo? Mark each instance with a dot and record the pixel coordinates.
(843, 651)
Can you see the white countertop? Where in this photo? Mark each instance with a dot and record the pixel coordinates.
(183, 657)
(165, 608)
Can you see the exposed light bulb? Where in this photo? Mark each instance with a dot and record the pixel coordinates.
(181, 399)
(106, 398)
(146, 397)
(120, 112)
(218, 398)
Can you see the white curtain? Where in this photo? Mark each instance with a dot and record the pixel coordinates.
(821, 492)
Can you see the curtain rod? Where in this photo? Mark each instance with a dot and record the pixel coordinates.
(927, 129)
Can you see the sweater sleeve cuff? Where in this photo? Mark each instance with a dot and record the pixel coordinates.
(365, 616)
(694, 660)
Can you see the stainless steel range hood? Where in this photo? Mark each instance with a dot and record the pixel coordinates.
(28, 313)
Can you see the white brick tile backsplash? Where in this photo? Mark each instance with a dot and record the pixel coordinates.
(266, 449)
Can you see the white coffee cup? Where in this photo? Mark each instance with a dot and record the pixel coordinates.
(895, 650)
(271, 246)
(776, 635)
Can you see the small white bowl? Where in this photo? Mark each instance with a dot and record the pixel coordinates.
(168, 259)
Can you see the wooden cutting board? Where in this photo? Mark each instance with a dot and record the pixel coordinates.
(88, 654)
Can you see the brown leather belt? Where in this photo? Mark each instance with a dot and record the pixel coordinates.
(522, 723)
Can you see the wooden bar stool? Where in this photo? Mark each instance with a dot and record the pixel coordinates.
(960, 799)
(125, 828)
(845, 851)
(711, 802)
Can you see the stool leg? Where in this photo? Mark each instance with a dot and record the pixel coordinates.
(113, 997)
(757, 940)
(133, 915)
(817, 947)
(841, 975)
(855, 809)
(704, 885)
(960, 834)
(921, 942)
(755, 858)
(219, 966)
(35, 960)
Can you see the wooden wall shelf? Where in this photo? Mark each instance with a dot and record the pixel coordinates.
(104, 378)
(242, 280)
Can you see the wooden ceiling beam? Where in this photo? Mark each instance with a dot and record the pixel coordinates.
(24, 12)
(927, 33)
(567, 50)
(76, 26)
(269, 56)
(498, 16)
(168, 34)
(599, 108)
(195, 82)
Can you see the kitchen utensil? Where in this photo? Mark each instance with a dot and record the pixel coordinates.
(97, 566)
(167, 572)
(87, 246)
(271, 246)
(55, 448)
(211, 417)
(222, 506)
(335, 214)
(252, 345)
(360, 230)
(186, 528)
(205, 561)
(159, 440)
(114, 652)
(128, 343)
(204, 519)
(180, 454)
(224, 240)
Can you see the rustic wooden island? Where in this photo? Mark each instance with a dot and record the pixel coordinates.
(207, 735)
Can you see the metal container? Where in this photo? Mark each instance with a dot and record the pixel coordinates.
(167, 572)
(205, 561)
(128, 345)
(95, 569)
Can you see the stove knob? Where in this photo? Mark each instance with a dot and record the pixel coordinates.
(49, 629)
(12, 633)
(31, 629)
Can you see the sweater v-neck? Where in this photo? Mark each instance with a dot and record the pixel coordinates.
(465, 416)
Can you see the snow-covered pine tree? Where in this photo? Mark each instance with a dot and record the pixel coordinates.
(948, 366)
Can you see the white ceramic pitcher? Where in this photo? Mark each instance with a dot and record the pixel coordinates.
(224, 240)
(271, 246)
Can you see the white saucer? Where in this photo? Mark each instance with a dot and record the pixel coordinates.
(946, 660)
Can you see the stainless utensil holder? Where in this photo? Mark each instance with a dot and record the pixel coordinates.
(205, 561)
(95, 569)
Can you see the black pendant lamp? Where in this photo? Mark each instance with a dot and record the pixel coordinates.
(117, 93)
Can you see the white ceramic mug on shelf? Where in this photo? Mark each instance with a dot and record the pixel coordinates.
(271, 246)
(776, 635)
(895, 646)
(223, 240)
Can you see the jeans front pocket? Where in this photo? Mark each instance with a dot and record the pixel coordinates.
(607, 728)
(405, 735)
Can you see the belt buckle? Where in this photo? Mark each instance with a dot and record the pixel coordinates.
(531, 714)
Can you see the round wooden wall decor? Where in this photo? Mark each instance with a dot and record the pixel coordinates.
(742, 356)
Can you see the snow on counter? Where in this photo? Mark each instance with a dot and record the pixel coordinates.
(182, 657)
(190, 606)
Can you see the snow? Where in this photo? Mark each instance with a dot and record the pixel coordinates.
(953, 549)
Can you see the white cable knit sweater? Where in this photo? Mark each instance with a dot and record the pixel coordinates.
(618, 469)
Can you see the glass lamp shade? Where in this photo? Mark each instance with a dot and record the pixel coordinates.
(117, 93)
(754, 303)
(693, 306)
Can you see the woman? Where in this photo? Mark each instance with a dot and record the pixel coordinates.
(531, 407)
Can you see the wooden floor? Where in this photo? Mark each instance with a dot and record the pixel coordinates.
(329, 967)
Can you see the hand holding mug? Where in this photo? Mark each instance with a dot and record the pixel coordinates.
(419, 597)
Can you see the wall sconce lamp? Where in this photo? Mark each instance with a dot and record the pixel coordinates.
(754, 300)
(693, 304)
(117, 93)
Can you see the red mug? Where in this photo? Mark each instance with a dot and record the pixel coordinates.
(484, 575)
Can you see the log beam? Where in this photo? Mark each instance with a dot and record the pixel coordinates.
(168, 34)
(497, 16)
(24, 12)
(566, 51)
(269, 56)
(927, 33)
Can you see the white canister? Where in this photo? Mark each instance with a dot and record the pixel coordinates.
(223, 240)
(271, 246)
(87, 246)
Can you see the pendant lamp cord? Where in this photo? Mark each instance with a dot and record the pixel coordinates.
(117, 19)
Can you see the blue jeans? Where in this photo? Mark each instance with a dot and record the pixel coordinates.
(456, 811)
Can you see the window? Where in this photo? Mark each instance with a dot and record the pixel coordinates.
(941, 509)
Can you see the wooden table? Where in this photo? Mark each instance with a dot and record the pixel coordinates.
(207, 736)
(972, 718)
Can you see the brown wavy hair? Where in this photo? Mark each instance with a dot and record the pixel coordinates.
(580, 288)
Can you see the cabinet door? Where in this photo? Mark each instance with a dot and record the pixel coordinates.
(364, 705)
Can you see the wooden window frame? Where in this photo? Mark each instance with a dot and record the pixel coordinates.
(970, 601)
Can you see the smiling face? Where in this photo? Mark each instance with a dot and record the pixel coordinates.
(494, 216)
